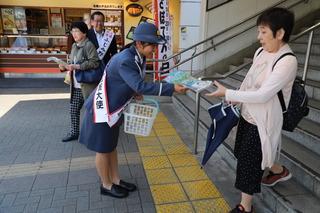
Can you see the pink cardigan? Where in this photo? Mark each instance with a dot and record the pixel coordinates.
(260, 103)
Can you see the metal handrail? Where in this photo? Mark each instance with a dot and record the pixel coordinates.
(214, 36)
(227, 74)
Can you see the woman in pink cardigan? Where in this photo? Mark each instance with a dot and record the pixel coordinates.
(259, 128)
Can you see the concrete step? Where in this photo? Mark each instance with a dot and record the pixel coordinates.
(284, 197)
(305, 38)
(302, 48)
(313, 73)
(313, 60)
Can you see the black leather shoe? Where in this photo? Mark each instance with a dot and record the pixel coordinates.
(128, 186)
(115, 191)
(70, 138)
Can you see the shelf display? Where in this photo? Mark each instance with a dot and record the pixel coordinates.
(33, 44)
(28, 53)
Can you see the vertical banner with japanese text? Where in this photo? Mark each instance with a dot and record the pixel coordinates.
(162, 21)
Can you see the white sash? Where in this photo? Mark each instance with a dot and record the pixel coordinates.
(101, 113)
(107, 39)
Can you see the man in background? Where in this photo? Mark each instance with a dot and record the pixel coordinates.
(104, 40)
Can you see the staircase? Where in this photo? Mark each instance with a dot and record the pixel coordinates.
(300, 149)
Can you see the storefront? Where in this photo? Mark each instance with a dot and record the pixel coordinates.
(31, 31)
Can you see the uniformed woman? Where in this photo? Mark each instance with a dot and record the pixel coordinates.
(123, 79)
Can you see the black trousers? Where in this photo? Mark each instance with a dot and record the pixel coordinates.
(249, 155)
(76, 104)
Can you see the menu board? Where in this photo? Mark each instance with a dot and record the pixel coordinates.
(20, 18)
(8, 18)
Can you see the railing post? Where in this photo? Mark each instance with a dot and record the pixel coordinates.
(306, 62)
(192, 57)
(196, 123)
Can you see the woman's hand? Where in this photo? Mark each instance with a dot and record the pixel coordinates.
(220, 92)
(180, 89)
(71, 67)
(62, 68)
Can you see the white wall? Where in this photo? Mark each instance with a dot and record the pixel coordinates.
(232, 13)
(190, 22)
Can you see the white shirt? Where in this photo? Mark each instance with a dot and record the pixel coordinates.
(99, 37)
(260, 103)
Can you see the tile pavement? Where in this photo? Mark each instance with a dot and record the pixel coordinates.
(38, 173)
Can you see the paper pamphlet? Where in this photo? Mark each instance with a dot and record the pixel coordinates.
(57, 60)
(184, 78)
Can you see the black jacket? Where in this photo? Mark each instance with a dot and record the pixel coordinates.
(112, 48)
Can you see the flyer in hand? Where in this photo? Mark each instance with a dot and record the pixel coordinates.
(57, 60)
(184, 78)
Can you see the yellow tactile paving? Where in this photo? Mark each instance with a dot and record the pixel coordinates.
(173, 139)
(162, 125)
(202, 189)
(168, 193)
(218, 205)
(151, 151)
(165, 132)
(190, 173)
(175, 208)
(171, 149)
(182, 160)
(156, 162)
(161, 176)
(148, 141)
(177, 182)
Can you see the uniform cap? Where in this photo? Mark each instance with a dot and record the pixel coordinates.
(149, 33)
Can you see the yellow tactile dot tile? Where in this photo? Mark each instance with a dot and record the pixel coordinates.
(168, 193)
(175, 208)
(218, 205)
(161, 176)
(156, 162)
(151, 151)
(182, 160)
(149, 141)
(172, 139)
(190, 173)
(162, 125)
(171, 149)
(165, 132)
(203, 189)
(161, 118)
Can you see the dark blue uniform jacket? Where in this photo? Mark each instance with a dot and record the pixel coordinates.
(125, 77)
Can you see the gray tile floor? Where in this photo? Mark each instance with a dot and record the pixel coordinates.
(39, 173)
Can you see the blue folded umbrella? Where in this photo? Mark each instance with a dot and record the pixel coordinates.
(224, 118)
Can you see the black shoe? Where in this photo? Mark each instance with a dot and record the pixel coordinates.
(130, 187)
(240, 209)
(115, 191)
(70, 138)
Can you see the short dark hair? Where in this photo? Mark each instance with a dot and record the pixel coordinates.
(277, 18)
(97, 13)
(81, 26)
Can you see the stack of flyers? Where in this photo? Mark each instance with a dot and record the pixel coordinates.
(184, 78)
(57, 60)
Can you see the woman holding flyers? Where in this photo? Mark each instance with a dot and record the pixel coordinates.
(258, 137)
(122, 80)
